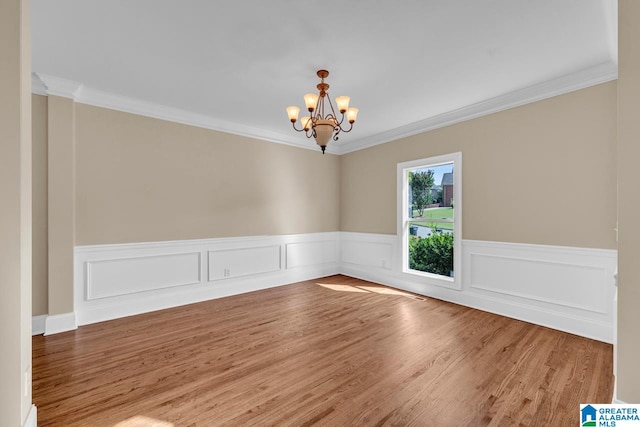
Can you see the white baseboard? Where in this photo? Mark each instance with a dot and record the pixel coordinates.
(569, 289)
(60, 323)
(32, 417)
(113, 281)
(38, 324)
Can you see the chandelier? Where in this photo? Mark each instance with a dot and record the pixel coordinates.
(322, 123)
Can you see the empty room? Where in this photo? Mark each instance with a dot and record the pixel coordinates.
(287, 213)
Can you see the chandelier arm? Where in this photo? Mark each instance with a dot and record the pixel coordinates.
(333, 112)
(320, 107)
(309, 133)
(346, 130)
(339, 123)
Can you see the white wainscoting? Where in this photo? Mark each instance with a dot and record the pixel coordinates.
(316, 252)
(372, 251)
(113, 281)
(227, 263)
(570, 289)
(121, 276)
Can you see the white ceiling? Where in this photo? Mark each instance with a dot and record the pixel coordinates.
(408, 65)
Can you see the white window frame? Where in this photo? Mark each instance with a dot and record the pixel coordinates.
(404, 220)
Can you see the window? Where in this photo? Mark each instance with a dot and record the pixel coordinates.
(430, 218)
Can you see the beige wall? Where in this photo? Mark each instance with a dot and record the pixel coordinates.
(628, 376)
(140, 179)
(543, 173)
(15, 213)
(60, 203)
(40, 301)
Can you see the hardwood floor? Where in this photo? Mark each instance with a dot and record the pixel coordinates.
(335, 351)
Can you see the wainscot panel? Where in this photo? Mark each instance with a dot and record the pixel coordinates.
(113, 281)
(368, 250)
(570, 289)
(565, 288)
(112, 277)
(227, 263)
(305, 254)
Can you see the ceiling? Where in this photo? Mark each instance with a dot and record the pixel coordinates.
(408, 65)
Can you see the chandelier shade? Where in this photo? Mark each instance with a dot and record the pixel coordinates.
(322, 123)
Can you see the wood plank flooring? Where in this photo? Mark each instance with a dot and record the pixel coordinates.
(335, 351)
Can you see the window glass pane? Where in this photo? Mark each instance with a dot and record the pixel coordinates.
(430, 221)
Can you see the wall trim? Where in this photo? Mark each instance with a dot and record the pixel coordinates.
(553, 276)
(37, 85)
(270, 255)
(57, 86)
(43, 84)
(92, 293)
(32, 417)
(601, 73)
(38, 324)
(238, 265)
(542, 309)
(57, 323)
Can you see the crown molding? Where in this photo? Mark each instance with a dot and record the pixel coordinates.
(99, 98)
(43, 84)
(60, 87)
(37, 85)
(598, 74)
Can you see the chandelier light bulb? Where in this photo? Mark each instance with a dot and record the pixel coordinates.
(311, 100)
(292, 112)
(306, 122)
(352, 114)
(343, 103)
